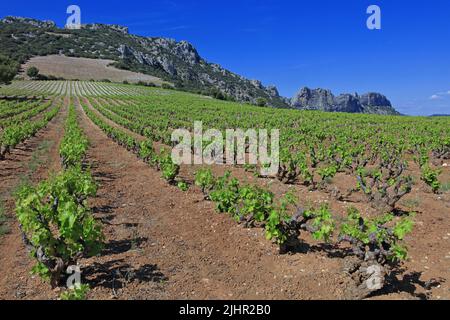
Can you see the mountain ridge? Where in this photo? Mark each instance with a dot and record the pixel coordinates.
(174, 61)
(325, 100)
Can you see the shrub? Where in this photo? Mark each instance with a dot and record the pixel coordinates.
(76, 293)
(183, 186)
(261, 102)
(56, 223)
(33, 72)
(385, 185)
(226, 193)
(8, 69)
(430, 177)
(168, 168)
(254, 205)
(205, 180)
(376, 243)
(292, 166)
(146, 151)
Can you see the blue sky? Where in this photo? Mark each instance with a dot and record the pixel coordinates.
(291, 44)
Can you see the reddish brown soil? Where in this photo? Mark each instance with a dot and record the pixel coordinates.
(168, 244)
(162, 243)
(420, 271)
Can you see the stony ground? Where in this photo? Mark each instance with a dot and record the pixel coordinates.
(162, 243)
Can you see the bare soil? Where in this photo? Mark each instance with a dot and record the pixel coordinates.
(85, 69)
(172, 245)
(162, 243)
(423, 275)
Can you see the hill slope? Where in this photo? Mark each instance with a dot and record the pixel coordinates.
(86, 69)
(176, 62)
(167, 59)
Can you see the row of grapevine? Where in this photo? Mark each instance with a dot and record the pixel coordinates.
(336, 143)
(143, 149)
(376, 153)
(376, 242)
(69, 88)
(28, 111)
(56, 221)
(18, 132)
(13, 108)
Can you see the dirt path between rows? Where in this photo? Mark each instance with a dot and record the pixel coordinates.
(163, 243)
(41, 114)
(418, 272)
(30, 162)
(110, 122)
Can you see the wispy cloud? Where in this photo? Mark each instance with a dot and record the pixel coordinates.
(175, 28)
(440, 95)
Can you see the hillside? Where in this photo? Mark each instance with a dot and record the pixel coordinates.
(324, 100)
(172, 61)
(166, 59)
(85, 69)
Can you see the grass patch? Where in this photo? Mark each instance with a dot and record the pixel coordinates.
(411, 203)
(24, 181)
(445, 187)
(4, 229)
(38, 157)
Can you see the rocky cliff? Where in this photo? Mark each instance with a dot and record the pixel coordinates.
(324, 100)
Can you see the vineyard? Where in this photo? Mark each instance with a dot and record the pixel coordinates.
(70, 88)
(359, 207)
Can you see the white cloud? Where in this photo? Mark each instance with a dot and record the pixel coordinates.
(440, 95)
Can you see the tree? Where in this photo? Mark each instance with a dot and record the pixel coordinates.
(261, 102)
(8, 69)
(219, 95)
(33, 72)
